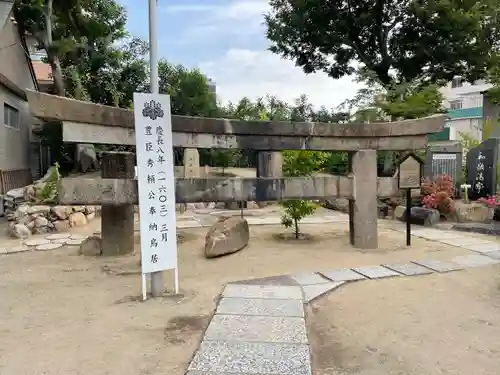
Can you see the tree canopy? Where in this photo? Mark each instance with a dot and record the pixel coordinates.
(398, 40)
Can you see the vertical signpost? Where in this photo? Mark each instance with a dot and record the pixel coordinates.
(155, 167)
(409, 177)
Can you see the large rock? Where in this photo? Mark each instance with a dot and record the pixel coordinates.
(337, 204)
(77, 219)
(62, 212)
(228, 235)
(19, 231)
(473, 211)
(422, 216)
(91, 246)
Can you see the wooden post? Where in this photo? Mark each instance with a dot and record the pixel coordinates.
(363, 211)
(117, 221)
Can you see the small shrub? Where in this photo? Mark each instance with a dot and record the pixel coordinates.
(439, 194)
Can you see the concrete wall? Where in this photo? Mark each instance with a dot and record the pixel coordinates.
(491, 112)
(14, 143)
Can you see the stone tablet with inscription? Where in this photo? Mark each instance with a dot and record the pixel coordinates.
(482, 169)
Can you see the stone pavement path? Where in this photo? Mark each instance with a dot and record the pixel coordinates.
(259, 325)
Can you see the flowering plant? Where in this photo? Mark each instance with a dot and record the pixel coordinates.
(490, 201)
(438, 194)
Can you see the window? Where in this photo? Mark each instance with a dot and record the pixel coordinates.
(457, 82)
(455, 104)
(10, 116)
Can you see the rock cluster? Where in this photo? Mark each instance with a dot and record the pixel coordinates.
(39, 219)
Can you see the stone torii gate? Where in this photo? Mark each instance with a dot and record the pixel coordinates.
(84, 122)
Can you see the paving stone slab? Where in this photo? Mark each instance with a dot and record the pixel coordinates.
(271, 280)
(309, 279)
(376, 272)
(494, 255)
(409, 269)
(36, 242)
(252, 358)
(49, 246)
(474, 260)
(15, 249)
(77, 237)
(487, 247)
(430, 234)
(61, 241)
(58, 236)
(314, 291)
(343, 274)
(247, 328)
(218, 373)
(262, 291)
(461, 242)
(438, 265)
(263, 307)
(75, 242)
(189, 224)
(263, 220)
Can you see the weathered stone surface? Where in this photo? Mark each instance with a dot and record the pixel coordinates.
(337, 204)
(474, 260)
(494, 255)
(62, 212)
(41, 222)
(309, 279)
(49, 246)
(38, 210)
(92, 246)
(252, 358)
(261, 307)
(314, 291)
(57, 236)
(483, 248)
(61, 225)
(37, 242)
(462, 241)
(19, 231)
(399, 213)
(343, 274)
(409, 269)
(376, 272)
(77, 219)
(227, 236)
(76, 242)
(472, 211)
(438, 265)
(247, 328)
(423, 216)
(262, 291)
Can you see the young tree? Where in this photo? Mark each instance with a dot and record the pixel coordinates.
(398, 40)
(301, 163)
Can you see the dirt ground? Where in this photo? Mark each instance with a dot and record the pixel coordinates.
(61, 313)
(436, 324)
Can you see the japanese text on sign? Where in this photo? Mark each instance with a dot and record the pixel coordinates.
(479, 183)
(156, 182)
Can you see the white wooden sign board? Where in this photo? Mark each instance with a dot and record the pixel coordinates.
(156, 184)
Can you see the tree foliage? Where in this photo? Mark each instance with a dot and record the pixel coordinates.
(398, 40)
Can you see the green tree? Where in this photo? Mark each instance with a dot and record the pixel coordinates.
(301, 163)
(398, 40)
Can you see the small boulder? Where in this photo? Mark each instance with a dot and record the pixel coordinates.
(61, 225)
(91, 246)
(41, 222)
(227, 236)
(62, 212)
(19, 231)
(77, 219)
(422, 216)
(337, 204)
(472, 211)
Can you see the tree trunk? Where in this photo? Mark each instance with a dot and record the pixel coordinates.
(53, 59)
(297, 233)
